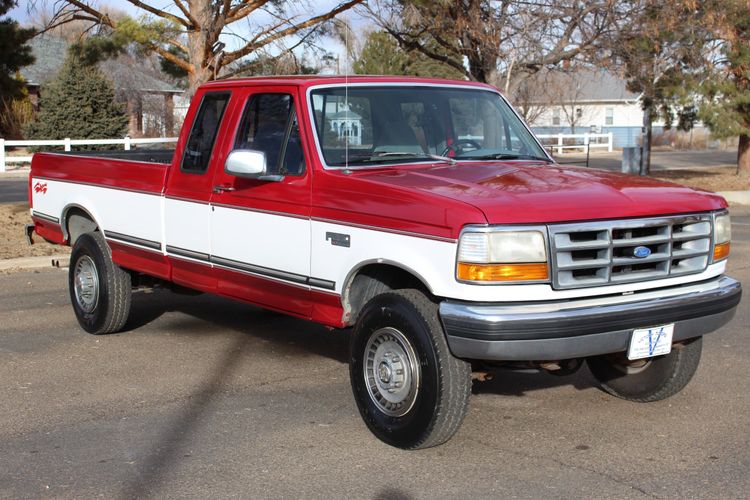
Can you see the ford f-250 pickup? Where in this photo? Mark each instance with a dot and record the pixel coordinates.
(421, 213)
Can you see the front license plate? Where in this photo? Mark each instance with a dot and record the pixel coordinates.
(650, 342)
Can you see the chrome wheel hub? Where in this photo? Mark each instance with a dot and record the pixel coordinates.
(86, 284)
(391, 371)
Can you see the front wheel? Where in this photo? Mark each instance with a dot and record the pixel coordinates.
(651, 379)
(99, 289)
(410, 390)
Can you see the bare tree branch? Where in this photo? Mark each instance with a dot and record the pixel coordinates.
(247, 49)
(161, 13)
(186, 13)
(244, 9)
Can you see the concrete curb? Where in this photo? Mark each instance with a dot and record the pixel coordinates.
(22, 263)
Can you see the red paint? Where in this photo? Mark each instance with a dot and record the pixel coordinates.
(146, 261)
(50, 231)
(40, 187)
(516, 193)
(264, 292)
(193, 275)
(327, 309)
(112, 173)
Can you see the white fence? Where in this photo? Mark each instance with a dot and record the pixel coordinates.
(584, 142)
(68, 144)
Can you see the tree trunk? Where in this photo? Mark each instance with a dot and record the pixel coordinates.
(198, 77)
(743, 155)
(201, 41)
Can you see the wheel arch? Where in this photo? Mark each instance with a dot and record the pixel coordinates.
(77, 220)
(372, 277)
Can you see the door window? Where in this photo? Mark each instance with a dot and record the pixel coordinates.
(269, 124)
(203, 134)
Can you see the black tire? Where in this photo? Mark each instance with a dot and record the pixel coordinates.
(103, 308)
(660, 378)
(441, 383)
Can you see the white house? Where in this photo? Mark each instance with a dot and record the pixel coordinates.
(584, 99)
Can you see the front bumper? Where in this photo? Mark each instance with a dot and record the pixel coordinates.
(569, 329)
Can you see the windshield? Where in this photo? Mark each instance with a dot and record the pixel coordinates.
(366, 126)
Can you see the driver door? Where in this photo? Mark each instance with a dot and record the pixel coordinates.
(260, 229)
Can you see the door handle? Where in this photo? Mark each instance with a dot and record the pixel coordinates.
(222, 188)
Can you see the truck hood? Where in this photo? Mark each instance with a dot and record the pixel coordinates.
(535, 192)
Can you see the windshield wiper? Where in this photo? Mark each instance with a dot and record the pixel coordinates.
(506, 156)
(388, 155)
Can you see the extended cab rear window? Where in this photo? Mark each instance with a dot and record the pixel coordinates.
(202, 137)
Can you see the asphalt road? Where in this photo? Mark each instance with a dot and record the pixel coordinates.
(14, 190)
(208, 398)
(660, 160)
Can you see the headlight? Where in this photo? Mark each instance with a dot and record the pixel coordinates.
(502, 256)
(722, 236)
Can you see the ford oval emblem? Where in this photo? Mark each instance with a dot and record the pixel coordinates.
(641, 252)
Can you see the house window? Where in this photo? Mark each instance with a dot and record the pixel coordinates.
(609, 116)
(556, 116)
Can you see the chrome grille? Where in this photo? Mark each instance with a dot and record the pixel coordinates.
(603, 253)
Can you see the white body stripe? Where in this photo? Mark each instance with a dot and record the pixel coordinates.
(125, 212)
(187, 225)
(299, 246)
(261, 239)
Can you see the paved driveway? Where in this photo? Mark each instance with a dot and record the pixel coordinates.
(14, 190)
(210, 398)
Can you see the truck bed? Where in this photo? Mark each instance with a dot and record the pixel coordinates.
(143, 171)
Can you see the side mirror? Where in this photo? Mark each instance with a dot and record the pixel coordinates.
(250, 164)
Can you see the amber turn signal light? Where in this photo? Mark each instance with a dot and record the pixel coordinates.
(721, 251)
(502, 272)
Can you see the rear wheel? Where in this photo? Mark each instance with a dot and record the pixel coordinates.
(99, 289)
(410, 390)
(651, 379)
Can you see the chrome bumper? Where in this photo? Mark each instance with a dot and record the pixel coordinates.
(585, 327)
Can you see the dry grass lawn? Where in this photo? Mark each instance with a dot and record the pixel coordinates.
(13, 244)
(711, 179)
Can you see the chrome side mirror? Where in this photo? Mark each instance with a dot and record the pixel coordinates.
(250, 164)
(246, 163)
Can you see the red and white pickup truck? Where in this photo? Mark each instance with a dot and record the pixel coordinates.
(423, 214)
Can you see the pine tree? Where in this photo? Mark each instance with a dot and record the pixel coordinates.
(80, 104)
(727, 108)
(381, 55)
(14, 54)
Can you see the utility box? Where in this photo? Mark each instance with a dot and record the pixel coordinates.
(631, 160)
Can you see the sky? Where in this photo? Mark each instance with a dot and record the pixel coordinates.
(21, 14)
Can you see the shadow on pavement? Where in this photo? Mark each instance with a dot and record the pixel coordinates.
(167, 451)
(209, 311)
(251, 323)
(519, 383)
